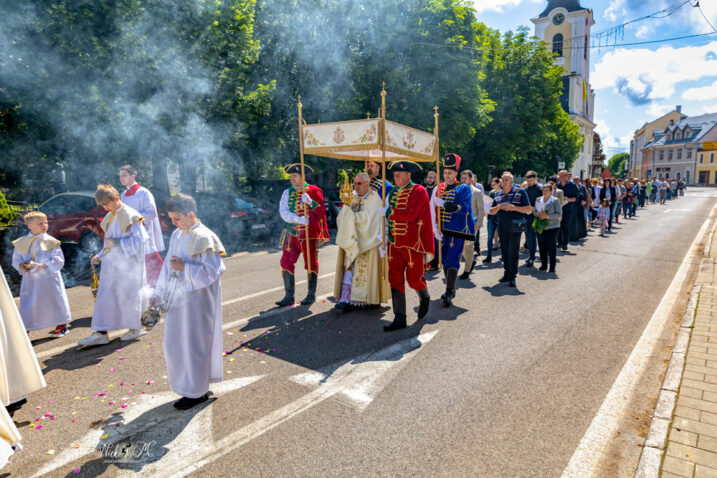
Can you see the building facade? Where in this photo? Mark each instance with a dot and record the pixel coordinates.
(565, 27)
(637, 166)
(673, 154)
(598, 162)
(707, 158)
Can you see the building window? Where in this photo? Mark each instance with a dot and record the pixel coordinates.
(678, 135)
(712, 158)
(558, 44)
(678, 176)
(702, 158)
(679, 154)
(662, 154)
(689, 153)
(669, 155)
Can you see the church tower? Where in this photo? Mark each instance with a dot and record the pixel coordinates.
(565, 25)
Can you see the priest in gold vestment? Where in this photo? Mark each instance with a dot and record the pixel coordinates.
(359, 279)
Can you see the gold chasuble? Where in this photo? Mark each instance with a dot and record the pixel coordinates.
(358, 238)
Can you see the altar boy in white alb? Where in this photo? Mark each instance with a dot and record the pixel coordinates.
(38, 258)
(190, 291)
(119, 302)
(141, 200)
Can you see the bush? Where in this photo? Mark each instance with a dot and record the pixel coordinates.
(7, 215)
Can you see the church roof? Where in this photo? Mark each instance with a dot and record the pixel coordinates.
(569, 5)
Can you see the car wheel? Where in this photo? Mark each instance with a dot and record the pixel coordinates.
(91, 243)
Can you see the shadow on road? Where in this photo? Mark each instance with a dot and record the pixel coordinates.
(141, 441)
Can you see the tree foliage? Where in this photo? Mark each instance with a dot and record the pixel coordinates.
(616, 164)
(208, 88)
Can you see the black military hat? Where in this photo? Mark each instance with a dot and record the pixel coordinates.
(452, 161)
(296, 169)
(408, 166)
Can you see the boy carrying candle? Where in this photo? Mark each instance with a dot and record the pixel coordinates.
(119, 302)
(189, 290)
(38, 258)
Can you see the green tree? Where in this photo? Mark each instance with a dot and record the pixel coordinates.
(616, 164)
(519, 76)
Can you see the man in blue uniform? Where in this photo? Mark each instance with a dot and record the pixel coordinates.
(453, 222)
(373, 169)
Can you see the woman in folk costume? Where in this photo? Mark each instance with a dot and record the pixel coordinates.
(38, 258)
(190, 291)
(141, 200)
(359, 280)
(20, 373)
(119, 301)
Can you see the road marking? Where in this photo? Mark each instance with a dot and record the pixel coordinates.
(668, 210)
(145, 417)
(348, 376)
(269, 291)
(591, 449)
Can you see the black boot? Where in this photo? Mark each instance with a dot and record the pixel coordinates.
(451, 275)
(398, 299)
(311, 296)
(425, 302)
(488, 259)
(467, 271)
(289, 288)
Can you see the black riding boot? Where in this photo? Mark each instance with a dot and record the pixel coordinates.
(425, 302)
(398, 299)
(451, 275)
(311, 296)
(289, 288)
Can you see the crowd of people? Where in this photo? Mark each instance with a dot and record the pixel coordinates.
(389, 235)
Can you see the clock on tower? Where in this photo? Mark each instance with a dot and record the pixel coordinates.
(558, 19)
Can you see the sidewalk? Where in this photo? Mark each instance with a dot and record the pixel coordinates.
(682, 440)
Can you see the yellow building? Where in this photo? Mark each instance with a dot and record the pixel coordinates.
(565, 27)
(706, 165)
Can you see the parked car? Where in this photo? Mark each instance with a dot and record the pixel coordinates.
(238, 220)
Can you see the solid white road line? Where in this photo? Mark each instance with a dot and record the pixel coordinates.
(347, 377)
(269, 291)
(593, 445)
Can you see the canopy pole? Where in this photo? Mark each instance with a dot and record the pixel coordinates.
(384, 263)
(303, 187)
(438, 181)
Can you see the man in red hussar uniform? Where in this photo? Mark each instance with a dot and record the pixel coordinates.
(410, 241)
(302, 208)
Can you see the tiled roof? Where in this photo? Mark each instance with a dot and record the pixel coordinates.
(569, 5)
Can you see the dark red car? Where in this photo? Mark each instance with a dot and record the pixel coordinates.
(74, 218)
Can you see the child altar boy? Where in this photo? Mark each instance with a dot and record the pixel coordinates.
(38, 258)
(119, 303)
(190, 292)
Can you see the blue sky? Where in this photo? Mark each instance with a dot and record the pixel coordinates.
(636, 84)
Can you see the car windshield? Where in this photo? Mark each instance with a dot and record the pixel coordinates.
(242, 204)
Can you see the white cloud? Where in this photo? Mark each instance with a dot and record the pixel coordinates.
(644, 75)
(710, 109)
(642, 32)
(498, 5)
(610, 142)
(655, 110)
(614, 10)
(704, 93)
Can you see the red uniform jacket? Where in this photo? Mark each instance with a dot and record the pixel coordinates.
(318, 228)
(409, 218)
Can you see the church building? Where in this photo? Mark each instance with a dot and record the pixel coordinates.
(565, 25)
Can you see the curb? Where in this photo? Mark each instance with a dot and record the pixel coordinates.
(651, 457)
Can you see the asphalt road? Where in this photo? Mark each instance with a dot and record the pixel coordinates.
(504, 383)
